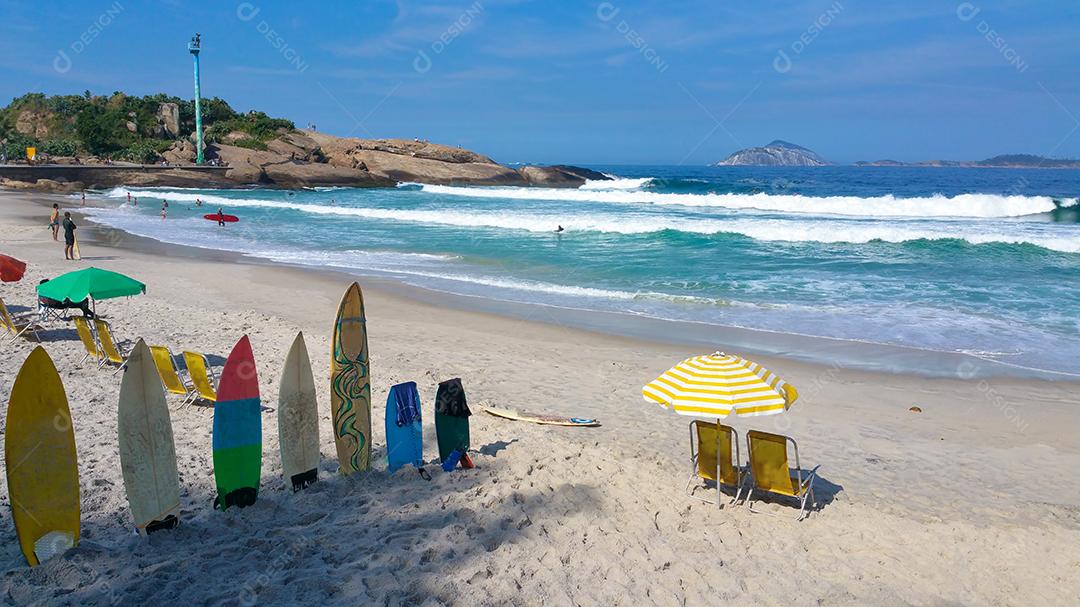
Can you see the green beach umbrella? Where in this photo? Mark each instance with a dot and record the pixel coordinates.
(74, 287)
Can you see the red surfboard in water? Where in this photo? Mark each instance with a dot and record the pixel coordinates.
(238, 430)
(225, 218)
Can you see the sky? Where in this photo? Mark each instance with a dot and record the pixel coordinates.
(623, 82)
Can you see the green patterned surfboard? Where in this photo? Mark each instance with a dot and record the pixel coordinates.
(350, 384)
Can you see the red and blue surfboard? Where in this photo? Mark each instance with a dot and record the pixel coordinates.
(238, 430)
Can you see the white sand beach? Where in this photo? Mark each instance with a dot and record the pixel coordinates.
(973, 501)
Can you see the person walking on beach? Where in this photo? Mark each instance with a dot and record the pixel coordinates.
(54, 221)
(69, 236)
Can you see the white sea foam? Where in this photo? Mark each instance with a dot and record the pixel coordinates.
(802, 229)
(617, 183)
(962, 206)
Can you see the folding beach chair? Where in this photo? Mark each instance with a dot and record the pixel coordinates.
(170, 374)
(16, 325)
(769, 470)
(201, 375)
(108, 345)
(86, 336)
(714, 456)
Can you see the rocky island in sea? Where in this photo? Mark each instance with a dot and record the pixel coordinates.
(88, 141)
(1002, 161)
(777, 153)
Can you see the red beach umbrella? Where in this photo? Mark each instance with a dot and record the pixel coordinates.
(11, 269)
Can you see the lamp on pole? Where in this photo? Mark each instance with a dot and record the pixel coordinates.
(193, 48)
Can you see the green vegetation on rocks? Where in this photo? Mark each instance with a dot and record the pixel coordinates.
(123, 127)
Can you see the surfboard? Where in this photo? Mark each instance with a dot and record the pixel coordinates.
(225, 218)
(540, 418)
(451, 419)
(238, 430)
(75, 249)
(404, 430)
(147, 450)
(298, 418)
(350, 384)
(42, 466)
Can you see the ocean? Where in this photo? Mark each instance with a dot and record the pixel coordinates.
(984, 262)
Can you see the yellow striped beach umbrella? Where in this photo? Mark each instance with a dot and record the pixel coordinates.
(719, 385)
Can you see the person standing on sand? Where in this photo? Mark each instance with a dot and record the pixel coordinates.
(69, 236)
(54, 221)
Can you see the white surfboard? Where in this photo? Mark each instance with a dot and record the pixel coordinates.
(147, 450)
(298, 418)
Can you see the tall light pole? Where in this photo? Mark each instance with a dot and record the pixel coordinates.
(193, 48)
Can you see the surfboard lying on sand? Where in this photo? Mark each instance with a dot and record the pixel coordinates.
(225, 218)
(147, 450)
(298, 418)
(42, 467)
(350, 384)
(238, 430)
(540, 418)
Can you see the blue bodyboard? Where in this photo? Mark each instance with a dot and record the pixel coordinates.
(404, 431)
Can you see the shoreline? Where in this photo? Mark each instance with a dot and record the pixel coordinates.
(548, 510)
(831, 352)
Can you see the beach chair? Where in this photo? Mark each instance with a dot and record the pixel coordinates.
(170, 374)
(770, 472)
(201, 375)
(16, 325)
(86, 336)
(111, 354)
(714, 456)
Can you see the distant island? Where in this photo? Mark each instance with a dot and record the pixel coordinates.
(1003, 161)
(783, 153)
(777, 153)
(87, 141)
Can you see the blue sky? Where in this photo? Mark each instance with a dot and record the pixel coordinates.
(593, 82)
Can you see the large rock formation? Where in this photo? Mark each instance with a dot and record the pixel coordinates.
(298, 159)
(777, 153)
(168, 118)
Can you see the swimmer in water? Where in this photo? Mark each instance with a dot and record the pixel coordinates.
(559, 230)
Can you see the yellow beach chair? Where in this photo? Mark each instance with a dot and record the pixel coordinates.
(86, 336)
(201, 375)
(108, 345)
(714, 456)
(169, 373)
(17, 326)
(769, 470)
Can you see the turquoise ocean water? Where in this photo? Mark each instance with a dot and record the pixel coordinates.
(982, 261)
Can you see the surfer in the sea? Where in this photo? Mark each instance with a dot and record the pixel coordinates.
(221, 216)
(559, 230)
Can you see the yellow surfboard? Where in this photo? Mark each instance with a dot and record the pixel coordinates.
(42, 469)
(350, 384)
